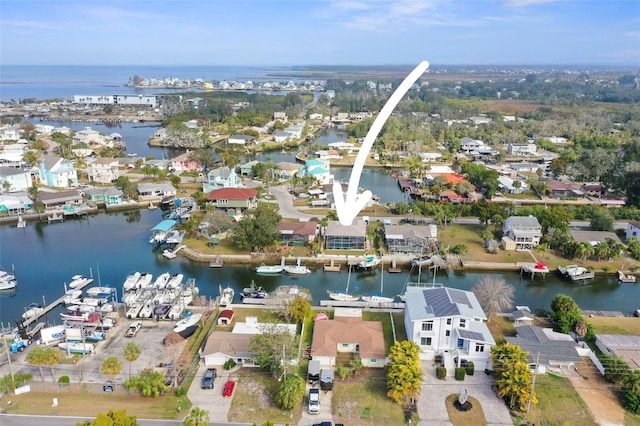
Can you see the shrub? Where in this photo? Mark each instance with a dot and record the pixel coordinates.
(343, 372)
(470, 368)
(229, 364)
(64, 379)
(441, 372)
(459, 373)
(438, 359)
(181, 391)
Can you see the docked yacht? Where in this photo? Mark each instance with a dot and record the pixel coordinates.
(33, 310)
(7, 281)
(100, 291)
(130, 283)
(71, 297)
(175, 281)
(297, 269)
(226, 296)
(161, 282)
(145, 280)
(79, 281)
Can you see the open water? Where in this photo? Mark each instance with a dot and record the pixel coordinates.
(110, 246)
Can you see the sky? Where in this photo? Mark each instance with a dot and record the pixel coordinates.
(320, 32)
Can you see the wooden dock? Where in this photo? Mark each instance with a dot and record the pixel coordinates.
(51, 306)
(361, 304)
(332, 266)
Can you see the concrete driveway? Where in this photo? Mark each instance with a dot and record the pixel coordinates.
(432, 409)
(211, 400)
(326, 399)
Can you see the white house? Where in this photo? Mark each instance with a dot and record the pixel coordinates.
(222, 177)
(241, 140)
(467, 144)
(448, 322)
(506, 184)
(14, 180)
(9, 133)
(103, 170)
(633, 229)
(522, 149)
(429, 157)
(57, 172)
(525, 231)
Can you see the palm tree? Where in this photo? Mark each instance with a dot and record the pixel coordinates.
(111, 366)
(42, 355)
(132, 352)
(197, 417)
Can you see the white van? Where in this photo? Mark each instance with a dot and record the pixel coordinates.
(314, 401)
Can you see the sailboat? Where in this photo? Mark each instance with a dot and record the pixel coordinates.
(378, 297)
(343, 295)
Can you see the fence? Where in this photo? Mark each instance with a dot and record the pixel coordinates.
(54, 387)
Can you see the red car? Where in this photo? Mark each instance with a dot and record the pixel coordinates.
(228, 388)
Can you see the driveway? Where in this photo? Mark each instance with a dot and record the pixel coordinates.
(432, 409)
(325, 408)
(211, 400)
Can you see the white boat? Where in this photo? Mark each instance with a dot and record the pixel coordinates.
(131, 281)
(369, 262)
(174, 312)
(134, 310)
(226, 296)
(343, 295)
(145, 280)
(175, 281)
(271, 269)
(297, 269)
(33, 310)
(187, 322)
(8, 283)
(162, 280)
(572, 270)
(132, 297)
(146, 311)
(100, 291)
(52, 335)
(169, 254)
(79, 281)
(378, 297)
(76, 347)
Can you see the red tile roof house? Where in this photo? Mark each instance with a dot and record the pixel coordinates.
(237, 199)
(182, 163)
(348, 333)
(297, 233)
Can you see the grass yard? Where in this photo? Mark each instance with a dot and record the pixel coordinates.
(501, 327)
(615, 325)
(253, 400)
(559, 404)
(85, 404)
(473, 417)
(363, 401)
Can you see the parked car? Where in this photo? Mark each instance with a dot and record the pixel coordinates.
(228, 388)
(314, 401)
(133, 329)
(208, 378)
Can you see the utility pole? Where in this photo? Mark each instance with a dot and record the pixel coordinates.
(7, 349)
(533, 382)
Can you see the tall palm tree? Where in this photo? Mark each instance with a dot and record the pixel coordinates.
(132, 352)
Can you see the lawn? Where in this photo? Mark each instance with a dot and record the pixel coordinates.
(559, 404)
(501, 327)
(472, 417)
(363, 401)
(615, 325)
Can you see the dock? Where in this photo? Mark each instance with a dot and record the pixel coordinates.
(332, 266)
(172, 254)
(216, 263)
(361, 304)
(51, 306)
(393, 269)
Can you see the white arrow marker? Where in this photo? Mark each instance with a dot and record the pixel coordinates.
(349, 206)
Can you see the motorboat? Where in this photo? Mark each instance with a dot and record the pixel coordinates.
(146, 311)
(100, 291)
(378, 297)
(226, 296)
(421, 260)
(271, 269)
(254, 291)
(297, 269)
(186, 322)
(161, 310)
(76, 347)
(71, 297)
(572, 270)
(369, 262)
(175, 281)
(134, 310)
(79, 281)
(130, 283)
(174, 312)
(95, 336)
(145, 280)
(162, 280)
(52, 335)
(626, 278)
(33, 310)
(7, 281)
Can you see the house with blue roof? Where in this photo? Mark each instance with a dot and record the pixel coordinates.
(319, 169)
(448, 322)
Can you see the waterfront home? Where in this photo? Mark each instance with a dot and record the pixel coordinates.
(184, 163)
(594, 237)
(246, 169)
(161, 189)
(44, 129)
(103, 170)
(624, 347)
(245, 140)
(14, 180)
(64, 199)
(297, 233)
(340, 237)
(222, 177)
(467, 145)
(348, 333)
(416, 239)
(547, 348)
(57, 172)
(10, 132)
(506, 185)
(15, 203)
(633, 230)
(281, 136)
(319, 169)
(111, 196)
(286, 170)
(448, 322)
(429, 157)
(524, 231)
(295, 131)
(89, 137)
(234, 200)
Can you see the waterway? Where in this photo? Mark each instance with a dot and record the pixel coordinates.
(110, 246)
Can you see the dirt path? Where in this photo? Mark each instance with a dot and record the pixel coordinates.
(597, 394)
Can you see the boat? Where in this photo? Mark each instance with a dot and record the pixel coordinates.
(343, 295)
(33, 310)
(572, 270)
(187, 322)
(637, 312)
(174, 312)
(100, 291)
(271, 269)
(297, 269)
(161, 282)
(79, 281)
(626, 278)
(369, 262)
(72, 297)
(161, 310)
(145, 280)
(169, 254)
(226, 296)
(421, 260)
(378, 297)
(175, 281)
(134, 310)
(254, 291)
(94, 336)
(76, 347)
(52, 335)
(146, 311)
(7, 281)
(131, 281)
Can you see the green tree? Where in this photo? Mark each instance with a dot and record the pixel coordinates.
(494, 294)
(274, 348)
(601, 220)
(564, 313)
(148, 383)
(9, 383)
(512, 377)
(297, 309)
(257, 229)
(43, 355)
(290, 392)
(404, 372)
(197, 417)
(132, 352)
(112, 418)
(111, 366)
